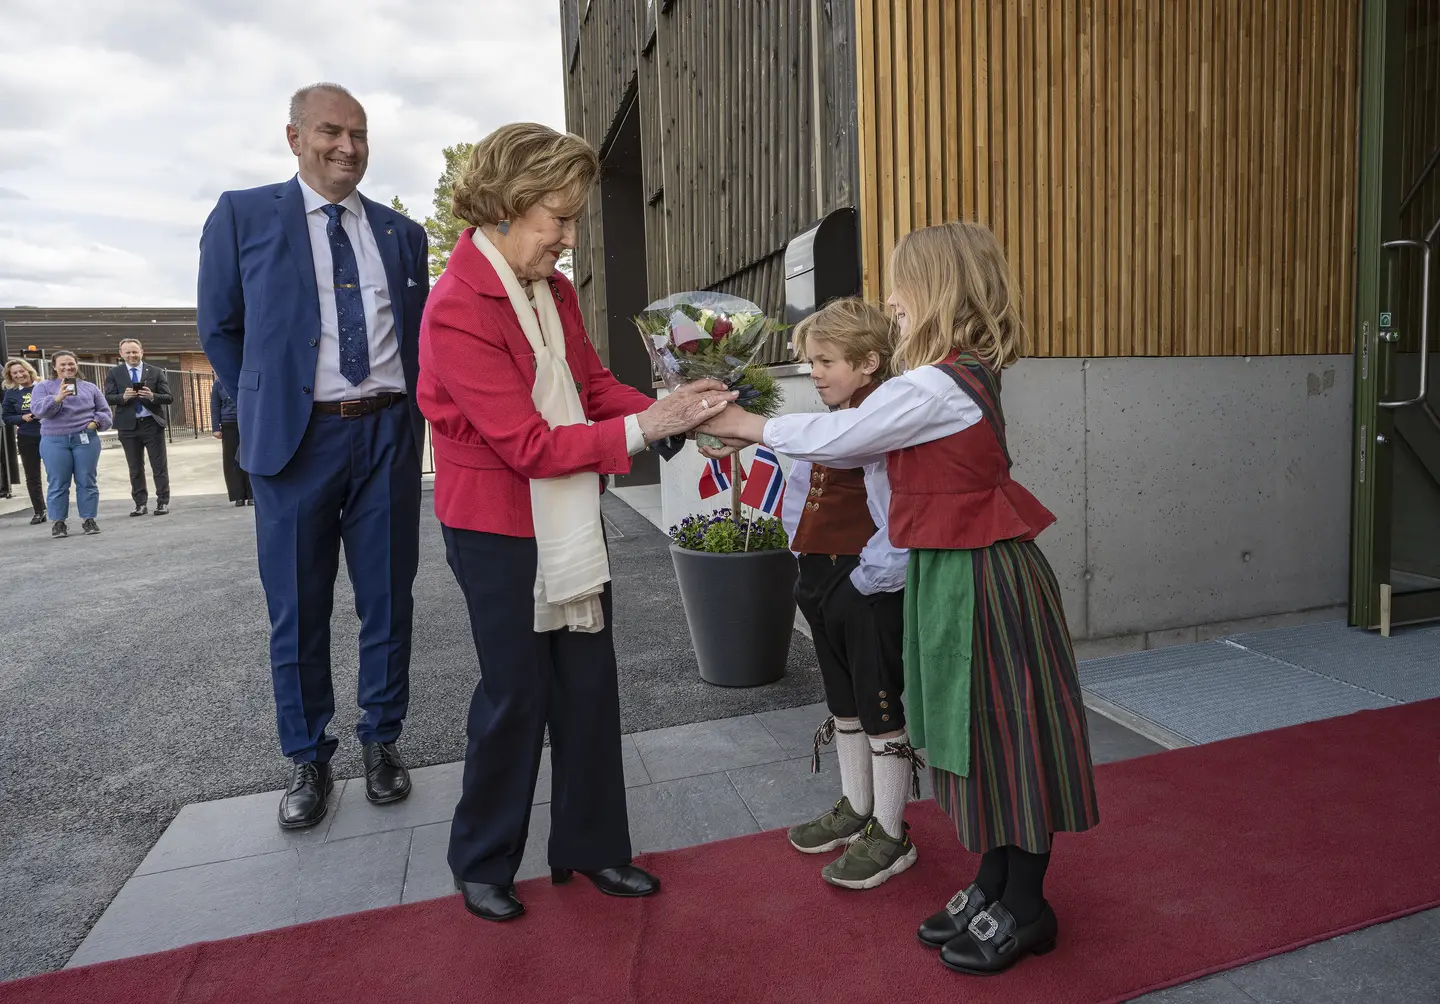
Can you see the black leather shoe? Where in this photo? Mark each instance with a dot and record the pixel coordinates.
(249, 501)
(240, 504)
(306, 801)
(490, 902)
(140, 509)
(59, 529)
(161, 508)
(993, 943)
(939, 928)
(37, 519)
(626, 880)
(386, 779)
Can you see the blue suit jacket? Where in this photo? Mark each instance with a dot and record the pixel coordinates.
(259, 312)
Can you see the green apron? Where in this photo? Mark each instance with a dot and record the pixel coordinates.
(939, 647)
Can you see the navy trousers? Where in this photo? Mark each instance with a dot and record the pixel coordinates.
(529, 680)
(356, 481)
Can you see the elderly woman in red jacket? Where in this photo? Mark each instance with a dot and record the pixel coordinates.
(525, 420)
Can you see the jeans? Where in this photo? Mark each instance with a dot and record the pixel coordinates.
(66, 458)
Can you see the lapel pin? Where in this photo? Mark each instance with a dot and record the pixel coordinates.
(389, 231)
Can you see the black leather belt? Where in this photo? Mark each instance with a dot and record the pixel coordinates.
(358, 407)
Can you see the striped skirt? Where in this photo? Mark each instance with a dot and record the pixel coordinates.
(1030, 771)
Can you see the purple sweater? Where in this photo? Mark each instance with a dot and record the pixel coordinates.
(74, 413)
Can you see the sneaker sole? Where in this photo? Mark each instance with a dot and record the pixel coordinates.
(831, 846)
(901, 864)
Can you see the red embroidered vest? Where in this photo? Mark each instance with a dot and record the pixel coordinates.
(836, 518)
(956, 493)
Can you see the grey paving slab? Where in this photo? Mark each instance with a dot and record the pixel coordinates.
(230, 828)
(794, 728)
(786, 793)
(635, 772)
(1405, 666)
(1111, 741)
(1210, 990)
(707, 747)
(433, 794)
(686, 811)
(429, 877)
(224, 899)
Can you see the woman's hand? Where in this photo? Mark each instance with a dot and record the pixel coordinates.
(219, 434)
(684, 409)
(736, 425)
(64, 391)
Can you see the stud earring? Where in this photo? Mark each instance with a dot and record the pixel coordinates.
(504, 227)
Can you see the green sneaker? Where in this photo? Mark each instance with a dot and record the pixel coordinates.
(835, 828)
(872, 859)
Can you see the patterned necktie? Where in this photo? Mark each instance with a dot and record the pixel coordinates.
(349, 307)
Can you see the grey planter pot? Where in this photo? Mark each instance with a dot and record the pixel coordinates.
(741, 611)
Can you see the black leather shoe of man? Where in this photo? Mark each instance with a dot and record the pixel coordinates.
(993, 942)
(306, 801)
(386, 779)
(626, 880)
(140, 510)
(490, 902)
(938, 928)
(161, 508)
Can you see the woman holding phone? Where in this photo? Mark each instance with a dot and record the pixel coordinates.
(72, 414)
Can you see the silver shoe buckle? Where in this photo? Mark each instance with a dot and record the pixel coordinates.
(958, 903)
(984, 926)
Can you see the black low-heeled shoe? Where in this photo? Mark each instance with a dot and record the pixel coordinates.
(994, 942)
(490, 902)
(626, 880)
(938, 928)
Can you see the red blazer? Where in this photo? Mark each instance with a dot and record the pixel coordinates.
(476, 373)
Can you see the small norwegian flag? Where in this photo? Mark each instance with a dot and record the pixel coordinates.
(716, 477)
(766, 490)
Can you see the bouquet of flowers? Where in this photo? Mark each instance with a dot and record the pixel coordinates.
(715, 336)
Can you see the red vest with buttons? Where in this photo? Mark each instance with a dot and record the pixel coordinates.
(956, 493)
(836, 518)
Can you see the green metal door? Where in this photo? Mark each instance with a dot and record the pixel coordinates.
(1395, 534)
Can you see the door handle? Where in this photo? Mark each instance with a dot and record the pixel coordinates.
(1424, 247)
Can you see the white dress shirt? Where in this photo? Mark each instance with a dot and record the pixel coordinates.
(882, 565)
(917, 407)
(386, 373)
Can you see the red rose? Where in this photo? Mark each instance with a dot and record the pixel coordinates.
(721, 328)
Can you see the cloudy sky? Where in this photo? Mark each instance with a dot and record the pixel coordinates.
(121, 121)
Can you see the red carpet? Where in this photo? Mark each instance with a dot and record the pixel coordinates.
(1207, 858)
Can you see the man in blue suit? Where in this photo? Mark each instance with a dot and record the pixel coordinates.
(310, 299)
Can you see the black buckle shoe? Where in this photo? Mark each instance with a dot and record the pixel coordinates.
(307, 799)
(161, 508)
(626, 880)
(490, 902)
(37, 519)
(938, 928)
(140, 509)
(386, 779)
(993, 942)
(59, 529)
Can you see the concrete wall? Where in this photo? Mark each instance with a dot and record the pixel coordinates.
(1188, 492)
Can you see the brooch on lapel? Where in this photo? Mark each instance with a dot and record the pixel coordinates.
(391, 231)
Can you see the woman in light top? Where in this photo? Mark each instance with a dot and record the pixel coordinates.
(72, 413)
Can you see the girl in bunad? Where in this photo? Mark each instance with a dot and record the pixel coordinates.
(851, 591)
(990, 683)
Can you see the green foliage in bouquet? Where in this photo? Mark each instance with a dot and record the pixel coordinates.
(721, 533)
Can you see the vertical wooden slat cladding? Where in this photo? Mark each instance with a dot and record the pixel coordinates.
(726, 94)
(1168, 177)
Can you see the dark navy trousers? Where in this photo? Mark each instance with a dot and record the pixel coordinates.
(529, 680)
(354, 481)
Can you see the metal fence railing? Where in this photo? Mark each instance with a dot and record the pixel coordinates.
(188, 412)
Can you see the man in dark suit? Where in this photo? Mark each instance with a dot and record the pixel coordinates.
(310, 298)
(138, 394)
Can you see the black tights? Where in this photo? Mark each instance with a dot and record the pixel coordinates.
(1015, 877)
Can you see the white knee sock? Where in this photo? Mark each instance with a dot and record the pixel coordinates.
(855, 771)
(892, 786)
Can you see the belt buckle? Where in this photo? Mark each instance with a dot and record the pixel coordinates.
(352, 409)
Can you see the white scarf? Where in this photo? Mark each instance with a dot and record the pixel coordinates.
(573, 566)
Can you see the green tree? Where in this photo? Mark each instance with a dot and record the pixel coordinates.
(399, 207)
(444, 228)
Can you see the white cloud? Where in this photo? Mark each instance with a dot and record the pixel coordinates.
(124, 121)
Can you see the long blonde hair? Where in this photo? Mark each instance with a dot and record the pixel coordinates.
(11, 384)
(959, 295)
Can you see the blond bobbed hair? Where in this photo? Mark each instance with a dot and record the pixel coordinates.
(959, 295)
(856, 328)
(520, 165)
(11, 384)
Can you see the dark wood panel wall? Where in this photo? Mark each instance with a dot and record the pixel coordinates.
(727, 94)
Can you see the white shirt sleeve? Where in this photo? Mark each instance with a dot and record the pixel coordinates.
(883, 566)
(797, 491)
(917, 407)
(634, 438)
